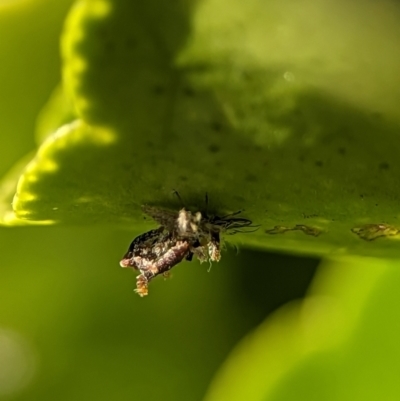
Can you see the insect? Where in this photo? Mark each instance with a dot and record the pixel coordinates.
(181, 235)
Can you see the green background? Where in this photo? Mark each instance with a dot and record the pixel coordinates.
(287, 110)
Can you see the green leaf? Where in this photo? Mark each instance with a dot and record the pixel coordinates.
(57, 112)
(51, 169)
(340, 343)
(232, 99)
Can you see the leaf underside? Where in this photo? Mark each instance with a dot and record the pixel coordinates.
(185, 97)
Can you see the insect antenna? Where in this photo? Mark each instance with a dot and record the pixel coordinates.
(206, 211)
(244, 230)
(230, 215)
(177, 194)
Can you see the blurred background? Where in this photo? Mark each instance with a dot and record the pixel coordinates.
(71, 327)
(71, 324)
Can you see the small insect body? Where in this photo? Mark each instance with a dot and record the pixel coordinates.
(181, 235)
(146, 245)
(153, 253)
(161, 265)
(214, 246)
(183, 223)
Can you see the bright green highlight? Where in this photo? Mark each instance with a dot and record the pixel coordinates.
(46, 168)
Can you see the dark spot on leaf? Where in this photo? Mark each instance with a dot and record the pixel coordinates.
(319, 163)
(246, 76)
(342, 151)
(302, 158)
(216, 126)
(183, 178)
(213, 148)
(189, 92)
(384, 166)
(251, 178)
(377, 115)
(361, 196)
(309, 216)
(158, 89)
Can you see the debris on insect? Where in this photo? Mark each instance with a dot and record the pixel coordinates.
(181, 235)
(161, 265)
(154, 253)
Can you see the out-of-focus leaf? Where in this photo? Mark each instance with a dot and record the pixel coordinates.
(340, 343)
(57, 112)
(91, 336)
